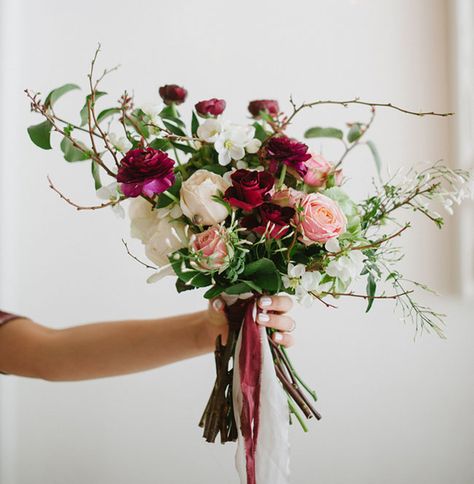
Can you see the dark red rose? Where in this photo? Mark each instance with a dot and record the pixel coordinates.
(267, 105)
(270, 219)
(289, 151)
(171, 93)
(249, 188)
(145, 171)
(212, 107)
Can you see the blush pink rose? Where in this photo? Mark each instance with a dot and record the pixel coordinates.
(211, 249)
(319, 219)
(318, 171)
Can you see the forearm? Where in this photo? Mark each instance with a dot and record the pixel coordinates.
(108, 349)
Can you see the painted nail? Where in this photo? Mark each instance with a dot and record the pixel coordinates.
(277, 336)
(217, 303)
(263, 318)
(265, 301)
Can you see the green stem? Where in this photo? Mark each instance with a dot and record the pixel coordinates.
(303, 384)
(171, 196)
(282, 177)
(181, 167)
(295, 412)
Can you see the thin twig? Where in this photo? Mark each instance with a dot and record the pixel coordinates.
(365, 296)
(137, 259)
(111, 203)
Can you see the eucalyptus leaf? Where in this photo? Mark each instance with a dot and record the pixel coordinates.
(55, 94)
(318, 132)
(40, 134)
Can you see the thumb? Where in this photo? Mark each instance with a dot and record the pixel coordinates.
(217, 315)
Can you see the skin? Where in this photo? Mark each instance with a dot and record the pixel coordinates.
(100, 350)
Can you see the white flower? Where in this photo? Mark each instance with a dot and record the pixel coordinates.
(332, 245)
(233, 141)
(169, 236)
(209, 130)
(111, 193)
(120, 143)
(302, 282)
(196, 198)
(347, 267)
(152, 116)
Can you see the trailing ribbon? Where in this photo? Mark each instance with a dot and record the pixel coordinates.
(260, 408)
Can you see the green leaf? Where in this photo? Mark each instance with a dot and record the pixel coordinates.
(170, 112)
(194, 124)
(371, 288)
(318, 132)
(264, 274)
(160, 144)
(40, 134)
(214, 291)
(260, 133)
(96, 175)
(183, 148)
(84, 111)
(174, 129)
(375, 153)
(163, 199)
(182, 286)
(355, 132)
(55, 94)
(106, 113)
(243, 286)
(71, 153)
(201, 280)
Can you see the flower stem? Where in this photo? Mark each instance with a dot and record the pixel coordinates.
(303, 384)
(282, 177)
(295, 412)
(171, 196)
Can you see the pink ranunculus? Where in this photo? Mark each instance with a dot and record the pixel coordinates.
(318, 171)
(319, 219)
(210, 248)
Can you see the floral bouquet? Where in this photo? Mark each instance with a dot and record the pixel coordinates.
(245, 210)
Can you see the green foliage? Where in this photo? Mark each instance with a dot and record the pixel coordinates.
(107, 113)
(55, 94)
(163, 199)
(85, 109)
(73, 154)
(375, 153)
(355, 132)
(318, 132)
(160, 144)
(194, 124)
(260, 132)
(371, 288)
(264, 274)
(40, 134)
(95, 171)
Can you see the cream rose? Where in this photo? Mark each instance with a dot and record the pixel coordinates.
(196, 198)
(169, 235)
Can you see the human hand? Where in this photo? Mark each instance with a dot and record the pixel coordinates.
(271, 313)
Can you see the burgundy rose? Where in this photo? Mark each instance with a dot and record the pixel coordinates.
(289, 151)
(171, 93)
(270, 219)
(267, 105)
(212, 107)
(249, 188)
(145, 171)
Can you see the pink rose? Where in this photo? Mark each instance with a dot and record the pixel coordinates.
(210, 249)
(319, 219)
(318, 170)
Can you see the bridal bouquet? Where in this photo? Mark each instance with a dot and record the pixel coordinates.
(245, 210)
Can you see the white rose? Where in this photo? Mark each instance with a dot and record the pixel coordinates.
(144, 219)
(169, 236)
(196, 198)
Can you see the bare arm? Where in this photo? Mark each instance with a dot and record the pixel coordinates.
(116, 348)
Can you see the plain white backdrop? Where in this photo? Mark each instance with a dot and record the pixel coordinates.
(395, 410)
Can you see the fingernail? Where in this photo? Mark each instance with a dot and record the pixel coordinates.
(265, 301)
(277, 336)
(263, 318)
(217, 303)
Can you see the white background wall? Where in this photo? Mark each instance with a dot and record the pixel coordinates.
(395, 411)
